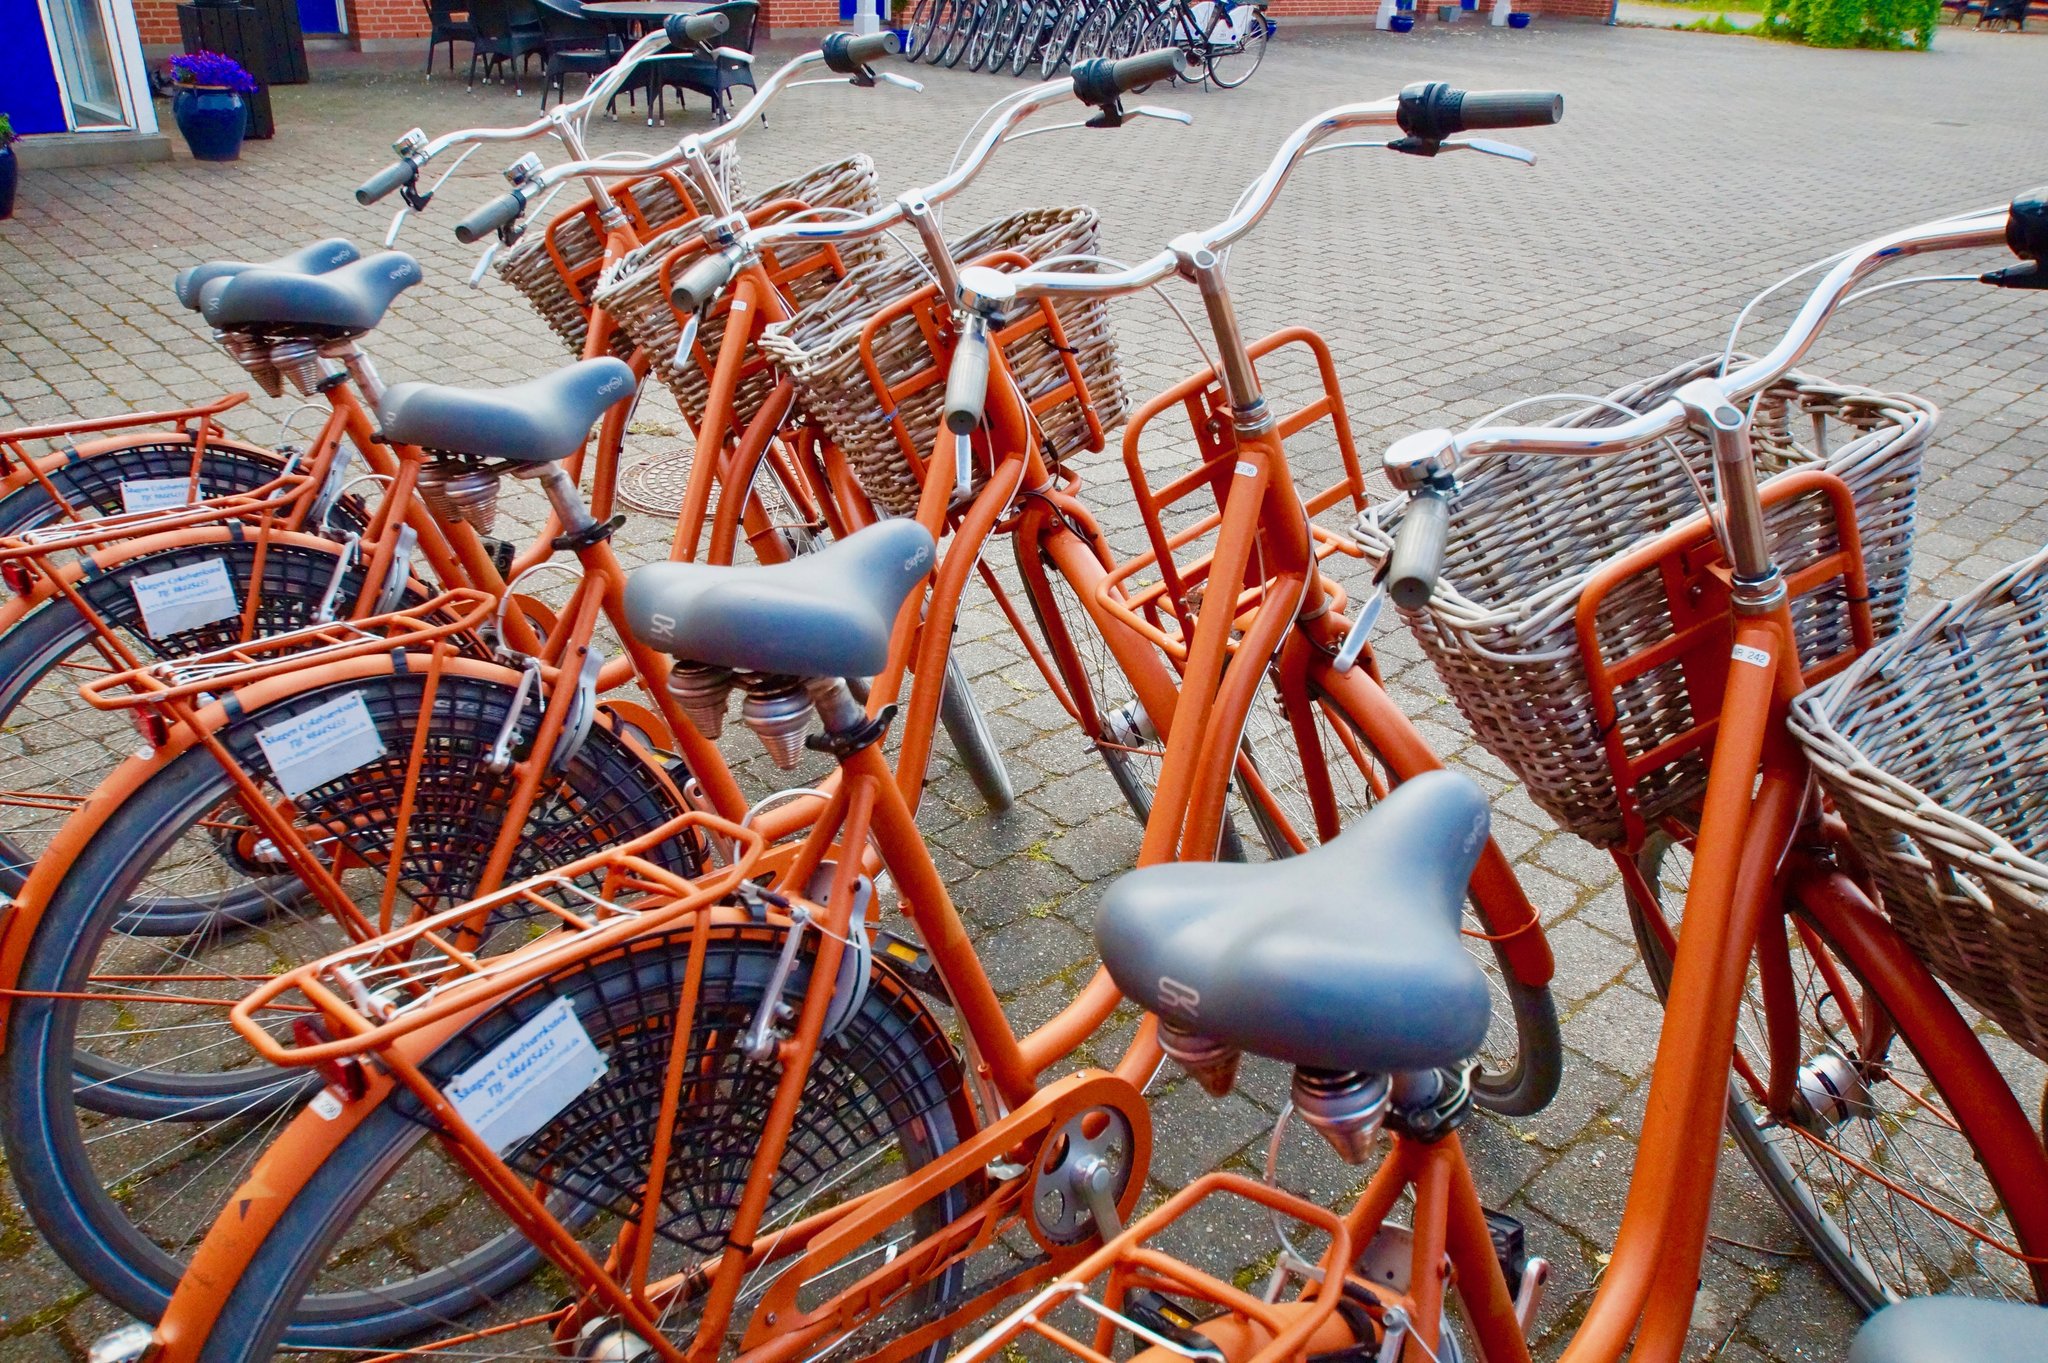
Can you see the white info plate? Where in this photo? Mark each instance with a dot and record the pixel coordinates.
(311, 749)
(186, 598)
(155, 494)
(528, 1077)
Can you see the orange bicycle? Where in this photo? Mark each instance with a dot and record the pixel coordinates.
(749, 1133)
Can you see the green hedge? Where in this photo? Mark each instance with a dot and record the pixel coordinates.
(1886, 24)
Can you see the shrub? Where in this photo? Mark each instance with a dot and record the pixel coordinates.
(1884, 24)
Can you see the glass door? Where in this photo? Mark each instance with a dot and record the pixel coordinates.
(82, 38)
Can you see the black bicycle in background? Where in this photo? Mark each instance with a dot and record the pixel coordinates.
(1223, 39)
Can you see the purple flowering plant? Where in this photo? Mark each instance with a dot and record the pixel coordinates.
(212, 69)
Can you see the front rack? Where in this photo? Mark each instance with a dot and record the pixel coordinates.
(1159, 593)
(461, 610)
(371, 994)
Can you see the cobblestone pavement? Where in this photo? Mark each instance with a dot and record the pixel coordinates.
(1691, 171)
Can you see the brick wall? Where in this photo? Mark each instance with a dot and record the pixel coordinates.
(157, 21)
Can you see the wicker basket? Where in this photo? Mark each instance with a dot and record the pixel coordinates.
(638, 294)
(1934, 748)
(1527, 532)
(556, 269)
(821, 349)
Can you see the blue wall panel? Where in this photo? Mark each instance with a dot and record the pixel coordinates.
(28, 83)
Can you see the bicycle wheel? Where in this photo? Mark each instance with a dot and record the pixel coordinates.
(924, 22)
(1124, 736)
(1234, 40)
(994, 16)
(1008, 34)
(1059, 40)
(876, 1105)
(960, 22)
(1872, 1164)
(55, 748)
(92, 482)
(961, 714)
(1091, 38)
(1030, 36)
(137, 1107)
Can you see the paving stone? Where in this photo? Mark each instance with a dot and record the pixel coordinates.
(1443, 289)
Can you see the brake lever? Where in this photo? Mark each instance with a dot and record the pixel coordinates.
(397, 224)
(901, 82)
(733, 54)
(483, 264)
(1164, 114)
(1507, 151)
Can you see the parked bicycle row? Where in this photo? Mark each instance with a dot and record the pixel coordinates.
(418, 909)
(1221, 41)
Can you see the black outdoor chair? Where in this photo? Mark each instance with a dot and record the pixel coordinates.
(447, 23)
(574, 43)
(713, 76)
(507, 34)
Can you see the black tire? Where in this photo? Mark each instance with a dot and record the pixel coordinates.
(888, 1060)
(1841, 1212)
(967, 726)
(1058, 51)
(54, 746)
(960, 22)
(92, 485)
(88, 1085)
(1031, 24)
(1091, 39)
(1230, 57)
(990, 22)
(924, 22)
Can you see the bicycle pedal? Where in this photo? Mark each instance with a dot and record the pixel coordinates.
(1526, 1274)
(912, 964)
(1172, 1321)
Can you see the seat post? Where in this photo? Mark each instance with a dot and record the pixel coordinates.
(566, 499)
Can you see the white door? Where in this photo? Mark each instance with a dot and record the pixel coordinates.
(100, 73)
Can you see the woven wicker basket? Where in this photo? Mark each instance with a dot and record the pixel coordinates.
(638, 294)
(1527, 532)
(556, 269)
(1934, 748)
(820, 348)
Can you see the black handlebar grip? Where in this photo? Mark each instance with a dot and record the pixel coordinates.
(394, 176)
(1100, 80)
(1418, 556)
(490, 218)
(967, 379)
(847, 54)
(702, 282)
(688, 30)
(1510, 109)
(1433, 111)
